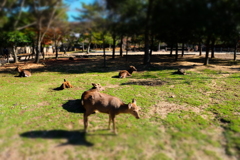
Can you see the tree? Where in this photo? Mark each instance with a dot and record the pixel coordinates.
(17, 15)
(15, 38)
(127, 19)
(97, 15)
(45, 13)
(10, 19)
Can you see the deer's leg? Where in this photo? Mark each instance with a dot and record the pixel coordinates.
(114, 126)
(85, 117)
(109, 122)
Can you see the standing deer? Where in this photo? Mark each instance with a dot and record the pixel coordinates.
(95, 88)
(66, 84)
(127, 73)
(96, 101)
(23, 72)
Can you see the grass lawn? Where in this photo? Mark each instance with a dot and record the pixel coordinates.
(192, 116)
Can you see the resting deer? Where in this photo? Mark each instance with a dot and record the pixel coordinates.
(96, 101)
(23, 72)
(181, 71)
(66, 84)
(127, 73)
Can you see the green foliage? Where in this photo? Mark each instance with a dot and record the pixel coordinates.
(17, 37)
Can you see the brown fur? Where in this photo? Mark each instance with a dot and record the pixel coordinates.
(95, 88)
(127, 73)
(23, 72)
(96, 101)
(181, 71)
(66, 84)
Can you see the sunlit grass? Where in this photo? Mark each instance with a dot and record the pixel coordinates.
(208, 104)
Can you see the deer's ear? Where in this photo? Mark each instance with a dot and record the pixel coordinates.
(93, 84)
(134, 101)
(129, 105)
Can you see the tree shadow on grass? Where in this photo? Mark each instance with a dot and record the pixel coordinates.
(73, 137)
(74, 106)
(146, 83)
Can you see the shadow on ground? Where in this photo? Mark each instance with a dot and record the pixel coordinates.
(58, 89)
(74, 106)
(146, 83)
(73, 137)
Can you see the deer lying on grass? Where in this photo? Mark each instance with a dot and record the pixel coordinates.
(93, 100)
(180, 71)
(23, 72)
(127, 73)
(66, 84)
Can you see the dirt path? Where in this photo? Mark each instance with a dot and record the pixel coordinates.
(221, 62)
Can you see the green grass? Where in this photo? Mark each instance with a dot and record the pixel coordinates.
(198, 115)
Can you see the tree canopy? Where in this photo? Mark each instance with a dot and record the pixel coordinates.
(204, 22)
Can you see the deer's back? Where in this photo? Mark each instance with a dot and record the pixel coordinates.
(25, 73)
(123, 74)
(100, 101)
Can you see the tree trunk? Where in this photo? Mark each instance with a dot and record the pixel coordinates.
(33, 48)
(146, 34)
(42, 51)
(64, 50)
(171, 50)
(235, 52)
(15, 59)
(200, 49)
(127, 49)
(176, 55)
(88, 48)
(212, 48)
(159, 46)
(83, 47)
(104, 53)
(114, 46)
(37, 58)
(152, 41)
(206, 62)
(56, 49)
(121, 46)
(182, 49)
(235, 49)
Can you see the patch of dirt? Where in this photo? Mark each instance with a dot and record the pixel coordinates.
(221, 62)
(163, 108)
(44, 103)
(144, 82)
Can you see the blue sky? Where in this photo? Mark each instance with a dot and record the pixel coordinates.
(73, 5)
